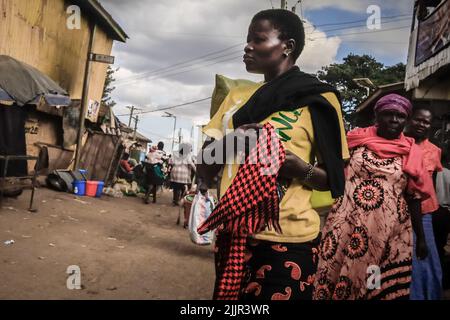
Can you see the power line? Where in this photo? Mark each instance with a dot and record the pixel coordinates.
(156, 74)
(401, 17)
(166, 72)
(374, 41)
(352, 27)
(154, 134)
(214, 35)
(166, 69)
(168, 108)
(193, 67)
(185, 71)
(204, 99)
(184, 62)
(364, 32)
(196, 66)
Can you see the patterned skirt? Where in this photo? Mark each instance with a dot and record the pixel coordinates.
(280, 271)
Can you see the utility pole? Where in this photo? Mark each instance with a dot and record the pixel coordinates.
(85, 95)
(131, 115)
(170, 115)
(136, 120)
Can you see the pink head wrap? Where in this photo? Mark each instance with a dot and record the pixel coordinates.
(393, 102)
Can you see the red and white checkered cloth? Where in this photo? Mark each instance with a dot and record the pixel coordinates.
(249, 205)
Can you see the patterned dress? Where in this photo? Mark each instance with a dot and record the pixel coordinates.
(366, 246)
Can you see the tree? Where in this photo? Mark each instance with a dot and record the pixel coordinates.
(341, 76)
(108, 88)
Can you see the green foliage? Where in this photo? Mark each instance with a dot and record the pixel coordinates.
(341, 76)
(109, 88)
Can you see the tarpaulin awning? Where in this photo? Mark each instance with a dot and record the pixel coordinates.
(52, 100)
(5, 98)
(26, 85)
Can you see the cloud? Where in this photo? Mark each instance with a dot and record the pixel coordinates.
(310, 60)
(156, 64)
(165, 34)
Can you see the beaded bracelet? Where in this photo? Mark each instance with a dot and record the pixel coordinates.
(309, 174)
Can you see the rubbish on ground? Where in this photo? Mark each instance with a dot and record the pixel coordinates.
(26, 237)
(10, 208)
(113, 192)
(51, 245)
(9, 242)
(111, 238)
(111, 288)
(41, 258)
(126, 188)
(81, 201)
(121, 247)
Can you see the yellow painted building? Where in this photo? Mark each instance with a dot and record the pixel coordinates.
(36, 32)
(41, 34)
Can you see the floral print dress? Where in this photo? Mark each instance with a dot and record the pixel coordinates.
(366, 246)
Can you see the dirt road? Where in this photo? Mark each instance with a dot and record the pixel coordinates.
(124, 248)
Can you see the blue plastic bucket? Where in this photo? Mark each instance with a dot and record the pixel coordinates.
(79, 187)
(100, 186)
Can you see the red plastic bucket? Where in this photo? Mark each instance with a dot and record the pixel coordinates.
(91, 188)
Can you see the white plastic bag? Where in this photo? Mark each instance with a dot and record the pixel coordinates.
(202, 206)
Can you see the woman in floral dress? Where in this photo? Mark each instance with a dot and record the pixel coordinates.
(366, 247)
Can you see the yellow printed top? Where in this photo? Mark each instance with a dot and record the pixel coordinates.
(298, 220)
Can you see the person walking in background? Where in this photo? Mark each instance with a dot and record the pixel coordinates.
(426, 281)
(183, 168)
(155, 167)
(372, 224)
(156, 154)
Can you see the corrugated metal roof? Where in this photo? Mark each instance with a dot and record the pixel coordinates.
(130, 131)
(381, 90)
(102, 18)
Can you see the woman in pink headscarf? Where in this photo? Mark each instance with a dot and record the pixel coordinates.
(366, 248)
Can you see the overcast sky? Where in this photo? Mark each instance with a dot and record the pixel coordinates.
(157, 66)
